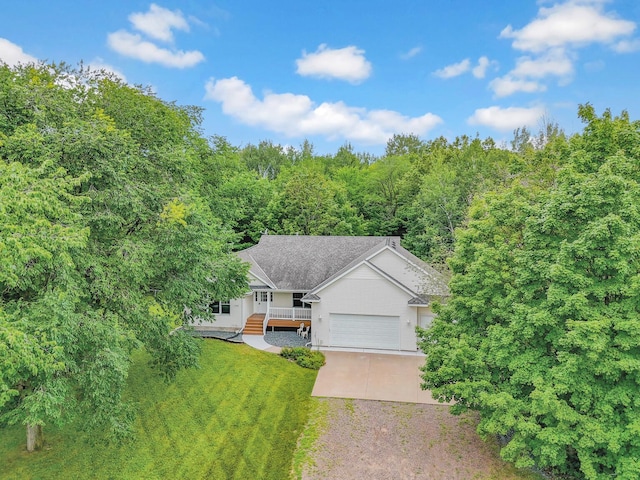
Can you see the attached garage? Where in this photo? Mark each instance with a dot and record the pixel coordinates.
(365, 331)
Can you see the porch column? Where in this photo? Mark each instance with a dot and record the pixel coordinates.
(268, 315)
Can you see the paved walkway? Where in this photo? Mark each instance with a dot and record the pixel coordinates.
(257, 341)
(372, 376)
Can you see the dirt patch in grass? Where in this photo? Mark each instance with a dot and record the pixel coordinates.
(372, 440)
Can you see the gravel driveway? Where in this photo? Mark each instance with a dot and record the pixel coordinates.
(375, 440)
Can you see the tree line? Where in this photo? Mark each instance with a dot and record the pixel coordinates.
(419, 190)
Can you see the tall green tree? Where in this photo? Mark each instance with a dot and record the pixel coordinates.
(542, 333)
(141, 243)
(305, 201)
(441, 186)
(235, 193)
(400, 144)
(40, 235)
(437, 210)
(266, 158)
(386, 194)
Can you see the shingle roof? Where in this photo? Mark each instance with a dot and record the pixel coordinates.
(310, 297)
(418, 301)
(433, 282)
(301, 262)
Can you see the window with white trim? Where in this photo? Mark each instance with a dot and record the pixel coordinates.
(299, 304)
(219, 308)
(263, 296)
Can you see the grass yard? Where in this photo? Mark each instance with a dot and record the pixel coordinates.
(237, 417)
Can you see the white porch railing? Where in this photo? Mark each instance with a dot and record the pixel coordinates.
(283, 313)
(265, 322)
(289, 313)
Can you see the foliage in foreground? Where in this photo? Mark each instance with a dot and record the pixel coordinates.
(106, 234)
(542, 333)
(236, 417)
(304, 357)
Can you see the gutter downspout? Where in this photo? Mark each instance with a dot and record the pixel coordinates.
(243, 320)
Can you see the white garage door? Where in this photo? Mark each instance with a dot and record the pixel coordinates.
(365, 331)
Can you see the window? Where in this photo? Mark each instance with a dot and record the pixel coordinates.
(221, 307)
(426, 320)
(263, 296)
(297, 303)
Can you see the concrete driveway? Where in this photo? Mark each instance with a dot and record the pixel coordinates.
(372, 376)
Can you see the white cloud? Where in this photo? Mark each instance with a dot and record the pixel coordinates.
(508, 85)
(158, 22)
(411, 53)
(348, 63)
(573, 23)
(454, 69)
(480, 70)
(553, 63)
(132, 45)
(554, 37)
(551, 58)
(297, 115)
(627, 46)
(506, 119)
(12, 54)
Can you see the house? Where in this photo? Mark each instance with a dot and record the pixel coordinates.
(353, 292)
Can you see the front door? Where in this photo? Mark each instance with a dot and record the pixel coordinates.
(261, 301)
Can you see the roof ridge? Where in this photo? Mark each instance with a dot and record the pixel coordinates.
(356, 261)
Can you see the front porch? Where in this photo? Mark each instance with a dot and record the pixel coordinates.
(258, 323)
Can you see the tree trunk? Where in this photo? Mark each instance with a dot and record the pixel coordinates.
(35, 438)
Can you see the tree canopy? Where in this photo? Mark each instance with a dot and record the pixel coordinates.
(541, 335)
(105, 237)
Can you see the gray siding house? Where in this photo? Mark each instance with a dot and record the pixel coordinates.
(353, 292)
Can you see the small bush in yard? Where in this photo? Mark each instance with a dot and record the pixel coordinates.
(304, 357)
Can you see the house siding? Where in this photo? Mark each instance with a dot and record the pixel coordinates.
(364, 292)
(255, 282)
(282, 299)
(232, 321)
(400, 269)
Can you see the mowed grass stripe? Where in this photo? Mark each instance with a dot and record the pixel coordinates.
(257, 456)
(237, 417)
(276, 435)
(232, 430)
(189, 390)
(262, 405)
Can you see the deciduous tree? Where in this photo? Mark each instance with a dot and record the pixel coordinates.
(105, 238)
(542, 334)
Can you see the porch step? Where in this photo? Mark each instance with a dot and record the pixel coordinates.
(254, 324)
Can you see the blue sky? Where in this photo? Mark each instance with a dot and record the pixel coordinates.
(351, 71)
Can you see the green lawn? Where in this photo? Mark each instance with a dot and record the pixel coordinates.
(237, 417)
